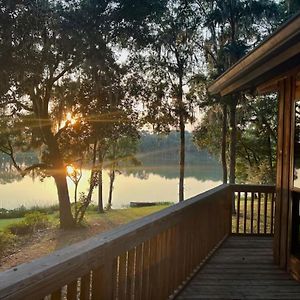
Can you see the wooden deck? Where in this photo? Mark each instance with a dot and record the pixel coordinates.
(242, 268)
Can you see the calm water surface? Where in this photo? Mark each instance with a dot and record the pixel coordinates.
(158, 184)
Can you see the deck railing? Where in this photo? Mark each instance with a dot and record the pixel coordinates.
(147, 259)
(254, 209)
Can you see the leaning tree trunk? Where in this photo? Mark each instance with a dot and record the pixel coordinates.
(65, 213)
(224, 144)
(100, 182)
(59, 174)
(182, 158)
(111, 187)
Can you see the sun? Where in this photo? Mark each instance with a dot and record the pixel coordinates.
(70, 170)
(70, 118)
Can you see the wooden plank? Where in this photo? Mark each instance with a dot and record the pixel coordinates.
(258, 212)
(229, 274)
(238, 213)
(252, 212)
(122, 278)
(265, 212)
(253, 188)
(245, 213)
(72, 290)
(130, 274)
(85, 287)
(272, 213)
(96, 283)
(138, 272)
(146, 267)
(56, 295)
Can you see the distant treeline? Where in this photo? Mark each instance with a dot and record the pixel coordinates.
(157, 154)
(154, 147)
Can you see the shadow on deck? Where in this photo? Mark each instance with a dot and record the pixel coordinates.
(242, 268)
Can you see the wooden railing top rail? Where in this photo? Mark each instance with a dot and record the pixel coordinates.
(65, 265)
(264, 188)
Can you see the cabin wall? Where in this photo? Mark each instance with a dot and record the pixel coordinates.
(284, 178)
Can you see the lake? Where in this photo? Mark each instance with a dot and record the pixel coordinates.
(155, 183)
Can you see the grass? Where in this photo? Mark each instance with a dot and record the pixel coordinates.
(5, 222)
(53, 238)
(121, 216)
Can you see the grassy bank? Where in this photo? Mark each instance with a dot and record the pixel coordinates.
(20, 248)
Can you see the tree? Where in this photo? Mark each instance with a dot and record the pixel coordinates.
(49, 41)
(256, 143)
(169, 65)
(121, 152)
(233, 30)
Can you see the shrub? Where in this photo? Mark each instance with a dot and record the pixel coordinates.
(32, 222)
(6, 240)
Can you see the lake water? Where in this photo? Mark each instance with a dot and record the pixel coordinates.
(155, 184)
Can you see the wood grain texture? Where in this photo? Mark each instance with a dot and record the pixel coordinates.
(242, 268)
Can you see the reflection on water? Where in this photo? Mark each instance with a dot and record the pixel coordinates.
(146, 183)
(127, 188)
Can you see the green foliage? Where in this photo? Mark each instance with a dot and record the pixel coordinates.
(32, 221)
(256, 138)
(6, 240)
(22, 211)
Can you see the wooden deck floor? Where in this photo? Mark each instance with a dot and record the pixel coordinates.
(242, 269)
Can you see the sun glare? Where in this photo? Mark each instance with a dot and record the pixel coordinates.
(70, 118)
(70, 170)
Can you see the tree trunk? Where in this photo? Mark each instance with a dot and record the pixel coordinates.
(182, 158)
(65, 214)
(224, 144)
(233, 141)
(100, 183)
(111, 186)
(59, 175)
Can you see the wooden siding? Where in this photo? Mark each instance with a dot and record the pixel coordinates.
(242, 268)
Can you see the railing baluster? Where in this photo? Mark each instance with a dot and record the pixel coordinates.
(238, 213)
(138, 272)
(245, 213)
(252, 212)
(153, 268)
(122, 278)
(258, 212)
(130, 273)
(85, 287)
(96, 281)
(145, 274)
(265, 212)
(272, 212)
(72, 290)
(56, 295)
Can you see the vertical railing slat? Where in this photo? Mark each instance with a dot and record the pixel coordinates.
(252, 212)
(138, 272)
(272, 212)
(258, 212)
(265, 213)
(85, 287)
(56, 295)
(122, 278)
(72, 290)
(238, 213)
(245, 213)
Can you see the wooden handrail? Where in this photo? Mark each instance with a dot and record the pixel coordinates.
(264, 188)
(148, 258)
